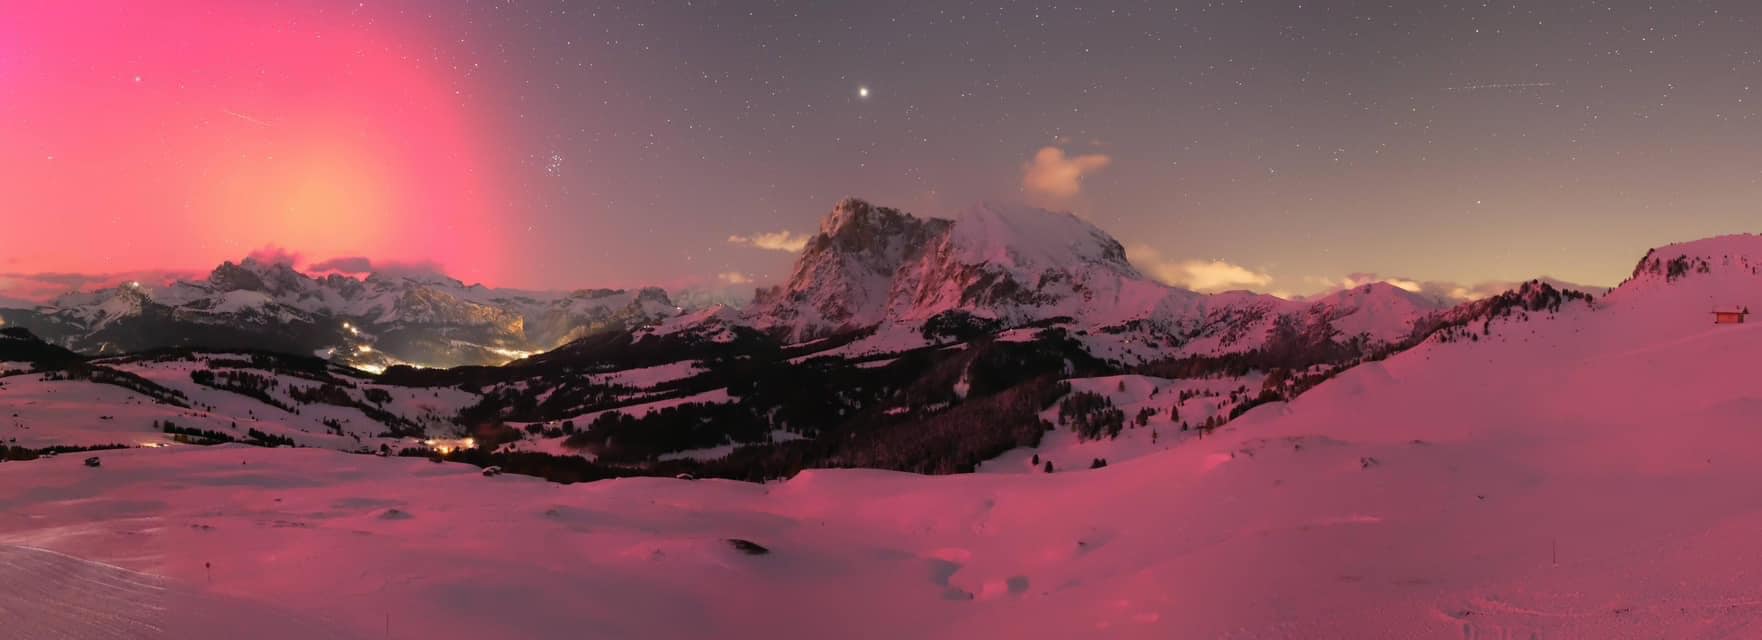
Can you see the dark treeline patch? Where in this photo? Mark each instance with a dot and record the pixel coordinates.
(905, 416)
(258, 386)
(192, 435)
(105, 375)
(245, 383)
(24, 453)
(1091, 416)
(1533, 296)
(612, 349)
(563, 469)
(295, 366)
(18, 344)
(958, 325)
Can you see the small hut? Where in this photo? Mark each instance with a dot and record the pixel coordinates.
(1730, 316)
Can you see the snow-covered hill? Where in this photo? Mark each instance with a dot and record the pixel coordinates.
(129, 401)
(1542, 467)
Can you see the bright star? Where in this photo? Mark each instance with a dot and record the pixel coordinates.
(862, 92)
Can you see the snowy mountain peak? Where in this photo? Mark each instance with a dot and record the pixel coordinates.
(1381, 293)
(252, 274)
(859, 229)
(843, 276)
(853, 215)
(1010, 263)
(1026, 237)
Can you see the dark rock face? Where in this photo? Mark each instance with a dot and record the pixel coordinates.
(842, 279)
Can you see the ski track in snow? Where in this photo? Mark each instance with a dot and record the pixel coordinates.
(47, 594)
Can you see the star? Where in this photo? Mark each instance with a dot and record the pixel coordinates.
(862, 92)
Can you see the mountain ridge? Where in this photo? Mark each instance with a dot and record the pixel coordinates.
(371, 322)
(874, 269)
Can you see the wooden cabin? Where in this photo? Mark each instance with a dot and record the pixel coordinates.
(1730, 317)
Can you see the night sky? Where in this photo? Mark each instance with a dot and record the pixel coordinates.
(1285, 146)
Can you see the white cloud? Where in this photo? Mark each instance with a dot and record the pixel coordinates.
(773, 241)
(734, 277)
(1053, 174)
(1197, 275)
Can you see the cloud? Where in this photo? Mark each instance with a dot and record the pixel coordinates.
(271, 254)
(346, 264)
(1196, 275)
(1053, 174)
(773, 241)
(734, 277)
(361, 265)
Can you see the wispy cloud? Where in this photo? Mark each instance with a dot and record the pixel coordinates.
(773, 241)
(1196, 275)
(272, 254)
(1053, 174)
(345, 264)
(734, 277)
(361, 265)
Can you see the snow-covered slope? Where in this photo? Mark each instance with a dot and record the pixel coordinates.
(129, 401)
